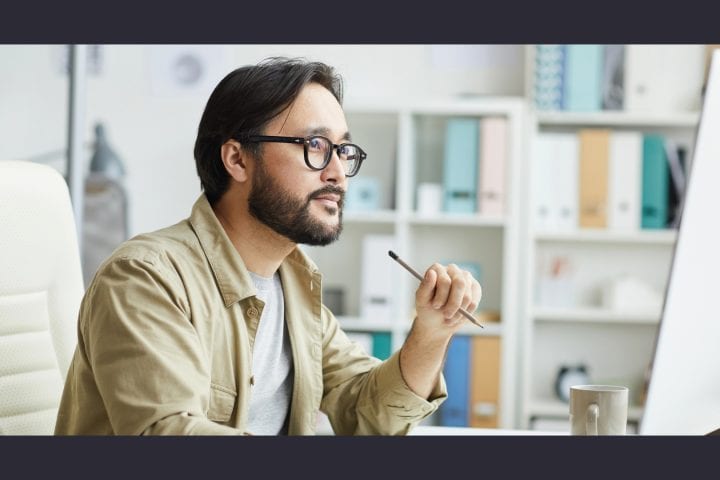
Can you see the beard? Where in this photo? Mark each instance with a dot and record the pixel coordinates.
(290, 216)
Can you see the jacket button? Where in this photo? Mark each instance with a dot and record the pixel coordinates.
(252, 312)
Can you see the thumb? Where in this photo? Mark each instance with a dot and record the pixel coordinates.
(426, 290)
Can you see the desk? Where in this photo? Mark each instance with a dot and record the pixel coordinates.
(434, 430)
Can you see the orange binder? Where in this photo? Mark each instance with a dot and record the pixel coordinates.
(485, 382)
(594, 154)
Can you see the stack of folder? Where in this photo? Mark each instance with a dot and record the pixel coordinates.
(472, 375)
(646, 78)
(599, 178)
(475, 155)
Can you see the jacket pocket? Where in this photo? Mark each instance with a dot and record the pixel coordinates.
(222, 403)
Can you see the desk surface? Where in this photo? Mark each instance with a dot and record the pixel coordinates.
(433, 430)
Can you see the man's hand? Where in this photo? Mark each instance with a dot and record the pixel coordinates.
(443, 291)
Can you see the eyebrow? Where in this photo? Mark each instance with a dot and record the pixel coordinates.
(324, 131)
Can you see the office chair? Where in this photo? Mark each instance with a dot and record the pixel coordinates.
(41, 288)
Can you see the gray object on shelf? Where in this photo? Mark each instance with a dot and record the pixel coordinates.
(105, 211)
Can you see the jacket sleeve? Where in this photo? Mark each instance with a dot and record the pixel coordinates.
(365, 396)
(147, 360)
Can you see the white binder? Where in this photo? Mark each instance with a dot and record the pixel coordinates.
(377, 294)
(567, 179)
(625, 181)
(364, 339)
(556, 182)
(663, 78)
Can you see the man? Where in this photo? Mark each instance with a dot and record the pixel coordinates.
(215, 325)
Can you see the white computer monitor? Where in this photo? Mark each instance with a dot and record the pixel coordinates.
(684, 389)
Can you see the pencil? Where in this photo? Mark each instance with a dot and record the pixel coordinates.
(415, 274)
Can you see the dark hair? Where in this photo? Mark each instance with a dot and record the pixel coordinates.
(244, 102)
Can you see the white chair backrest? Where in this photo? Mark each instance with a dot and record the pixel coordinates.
(41, 288)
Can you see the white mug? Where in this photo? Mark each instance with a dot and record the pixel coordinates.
(598, 410)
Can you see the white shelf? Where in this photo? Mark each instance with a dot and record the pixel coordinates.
(402, 129)
(595, 256)
(379, 216)
(456, 220)
(360, 324)
(619, 119)
(656, 237)
(594, 315)
(556, 408)
(476, 105)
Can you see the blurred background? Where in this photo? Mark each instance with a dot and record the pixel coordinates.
(555, 173)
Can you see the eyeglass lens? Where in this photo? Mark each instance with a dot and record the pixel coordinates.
(319, 151)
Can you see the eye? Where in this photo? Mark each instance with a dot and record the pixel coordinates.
(348, 151)
(317, 144)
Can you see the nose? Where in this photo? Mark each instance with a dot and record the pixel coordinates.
(334, 171)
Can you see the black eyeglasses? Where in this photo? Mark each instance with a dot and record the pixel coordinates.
(318, 151)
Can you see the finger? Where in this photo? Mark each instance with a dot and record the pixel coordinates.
(442, 287)
(458, 318)
(424, 293)
(457, 292)
(476, 294)
(467, 301)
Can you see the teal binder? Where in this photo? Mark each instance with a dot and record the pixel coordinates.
(382, 345)
(460, 168)
(655, 182)
(583, 78)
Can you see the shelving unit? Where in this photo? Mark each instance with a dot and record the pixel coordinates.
(617, 119)
(647, 237)
(404, 141)
(616, 346)
(593, 315)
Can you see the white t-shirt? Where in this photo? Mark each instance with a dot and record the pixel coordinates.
(272, 367)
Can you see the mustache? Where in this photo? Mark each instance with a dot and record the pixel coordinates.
(329, 189)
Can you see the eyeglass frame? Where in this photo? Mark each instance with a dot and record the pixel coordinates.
(304, 141)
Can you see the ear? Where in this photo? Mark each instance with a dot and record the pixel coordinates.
(235, 160)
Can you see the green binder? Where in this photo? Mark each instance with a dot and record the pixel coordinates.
(382, 345)
(655, 178)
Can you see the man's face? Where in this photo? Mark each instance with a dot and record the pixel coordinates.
(301, 204)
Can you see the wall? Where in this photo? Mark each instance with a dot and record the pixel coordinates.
(154, 132)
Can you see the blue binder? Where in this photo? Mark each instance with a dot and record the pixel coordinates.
(583, 77)
(549, 73)
(460, 168)
(655, 183)
(454, 412)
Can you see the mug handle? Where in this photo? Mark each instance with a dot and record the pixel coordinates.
(591, 419)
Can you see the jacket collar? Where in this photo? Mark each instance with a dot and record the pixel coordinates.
(227, 265)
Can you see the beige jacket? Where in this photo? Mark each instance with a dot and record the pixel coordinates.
(165, 338)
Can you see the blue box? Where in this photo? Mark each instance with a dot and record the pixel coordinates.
(363, 194)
